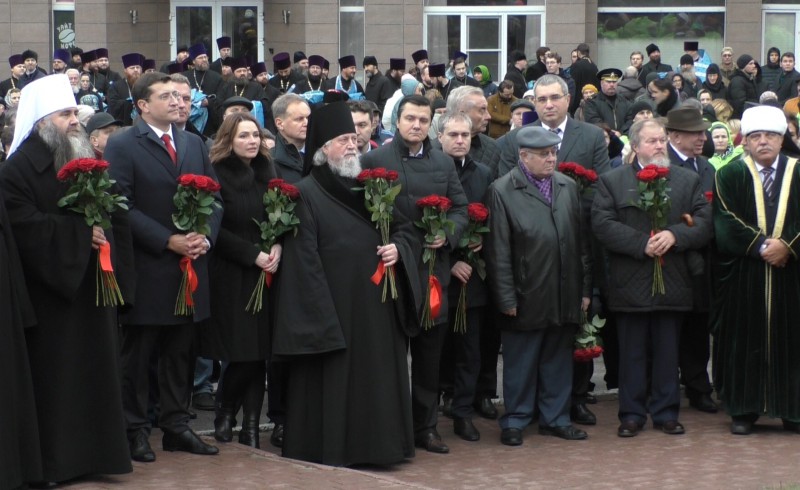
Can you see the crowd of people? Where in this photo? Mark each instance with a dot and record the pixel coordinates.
(682, 224)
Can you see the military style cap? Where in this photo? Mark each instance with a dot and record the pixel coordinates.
(610, 74)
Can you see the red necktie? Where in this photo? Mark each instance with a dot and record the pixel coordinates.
(168, 143)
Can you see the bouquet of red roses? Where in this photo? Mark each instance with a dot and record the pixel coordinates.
(654, 200)
(436, 225)
(380, 192)
(279, 204)
(478, 214)
(194, 202)
(587, 344)
(88, 195)
(582, 176)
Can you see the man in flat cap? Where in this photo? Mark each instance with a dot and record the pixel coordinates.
(99, 128)
(649, 321)
(224, 46)
(379, 87)
(334, 335)
(80, 417)
(120, 95)
(538, 330)
(345, 81)
(686, 130)
(757, 224)
(654, 65)
(608, 108)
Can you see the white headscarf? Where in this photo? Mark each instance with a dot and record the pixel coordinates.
(41, 98)
(763, 118)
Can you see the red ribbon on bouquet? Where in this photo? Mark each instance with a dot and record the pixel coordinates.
(191, 285)
(435, 299)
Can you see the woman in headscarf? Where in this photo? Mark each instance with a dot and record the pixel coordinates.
(724, 151)
(482, 76)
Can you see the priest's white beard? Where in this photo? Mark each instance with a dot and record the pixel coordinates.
(65, 147)
(657, 160)
(348, 167)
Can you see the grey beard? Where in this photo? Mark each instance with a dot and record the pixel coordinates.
(75, 89)
(348, 167)
(65, 147)
(659, 161)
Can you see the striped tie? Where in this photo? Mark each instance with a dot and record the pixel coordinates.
(767, 180)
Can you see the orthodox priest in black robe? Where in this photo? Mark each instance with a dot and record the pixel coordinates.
(207, 82)
(20, 459)
(73, 348)
(754, 318)
(348, 393)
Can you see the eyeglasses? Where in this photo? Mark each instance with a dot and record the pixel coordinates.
(552, 99)
(541, 153)
(169, 95)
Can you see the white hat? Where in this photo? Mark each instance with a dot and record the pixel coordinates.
(529, 93)
(38, 99)
(763, 118)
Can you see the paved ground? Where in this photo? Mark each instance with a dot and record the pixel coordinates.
(706, 457)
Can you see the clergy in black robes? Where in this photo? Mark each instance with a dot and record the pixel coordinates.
(20, 459)
(754, 317)
(348, 393)
(207, 82)
(73, 347)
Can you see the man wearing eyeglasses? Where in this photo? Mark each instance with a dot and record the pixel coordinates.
(757, 228)
(146, 161)
(540, 285)
(728, 65)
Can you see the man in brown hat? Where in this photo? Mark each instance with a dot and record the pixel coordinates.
(687, 133)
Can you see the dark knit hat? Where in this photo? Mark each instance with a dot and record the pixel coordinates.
(517, 55)
(743, 60)
(299, 56)
(29, 53)
(639, 106)
(651, 48)
(368, 60)
(687, 60)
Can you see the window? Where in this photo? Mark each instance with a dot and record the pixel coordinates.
(63, 24)
(351, 32)
(780, 24)
(621, 31)
(195, 22)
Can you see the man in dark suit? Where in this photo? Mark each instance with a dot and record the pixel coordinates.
(687, 133)
(649, 322)
(146, 162)
(583, 144)
(583, 71)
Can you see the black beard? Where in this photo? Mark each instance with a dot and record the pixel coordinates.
(314, 78)
(241, 82)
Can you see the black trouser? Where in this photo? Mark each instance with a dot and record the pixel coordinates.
(461, 360)
(490, 349)
(277, 380)
(426, 351)
(175, 372)
(695, 353)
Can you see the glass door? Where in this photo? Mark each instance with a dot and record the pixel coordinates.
(194, 22)
(781, 28)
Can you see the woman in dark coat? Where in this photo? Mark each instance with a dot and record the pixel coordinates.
(233, 334)
(714, 83)
(664, 95)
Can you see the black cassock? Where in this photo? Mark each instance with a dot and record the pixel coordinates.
(348, 393)
(19, 430)
(73, 348)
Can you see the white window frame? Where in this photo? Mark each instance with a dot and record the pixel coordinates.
(779, 9)
(216, 22)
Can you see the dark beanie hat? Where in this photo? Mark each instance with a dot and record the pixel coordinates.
(687, 60)
(713, 69)
(743, 61)
(651, 48)
(639, 106)
(299, 56)
(368, 60)
(29, 53)
(517, 55)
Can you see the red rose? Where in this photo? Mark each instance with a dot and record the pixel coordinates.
(445, 204)
(379, 173)
(647, 175)
(364, 175)
(428, 201)
(392, 175)
(290, 191)
(580, 171)
(566, 167)
(81, 165)
(591, 176)
(477, 212)
(709, 196)
(275, 183)
(185, 179)
(662, 172)
(597, 350)
(205, 183)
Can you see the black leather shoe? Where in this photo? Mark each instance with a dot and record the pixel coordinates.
(580, 414)
(671, 427)
(741, 427)
(569, 432)
(791, 426)
(431, 442)
(140, 449)
(223, 425)
(485, 408)
(703, 402)
(511, 437)
(187, 441)
(192, 416)
(465, 429)
(447, 406)
(203, 401)
(276, 439)
(629, 428)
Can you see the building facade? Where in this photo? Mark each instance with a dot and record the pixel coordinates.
(485, 29)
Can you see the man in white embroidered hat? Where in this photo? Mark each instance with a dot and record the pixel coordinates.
(757, 224)
(73, 347)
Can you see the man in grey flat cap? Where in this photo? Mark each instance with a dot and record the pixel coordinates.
(539, 210)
